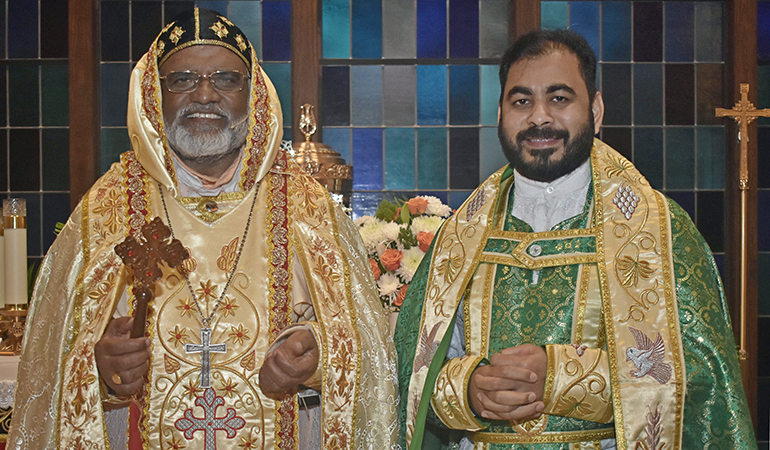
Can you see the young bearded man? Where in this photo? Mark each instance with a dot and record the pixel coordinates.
(275, 297)
(567, 304)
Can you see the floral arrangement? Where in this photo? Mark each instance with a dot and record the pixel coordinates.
(396, 239)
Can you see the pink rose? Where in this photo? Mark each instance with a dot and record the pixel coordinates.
(417, 206)
(401, 295)
(391, 259)
(425, 238)
(375, 269)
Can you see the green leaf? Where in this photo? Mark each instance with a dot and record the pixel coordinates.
(404, 217)
(406, 238)
(386, 211)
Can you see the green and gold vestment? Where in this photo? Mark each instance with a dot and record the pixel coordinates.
(628, 304)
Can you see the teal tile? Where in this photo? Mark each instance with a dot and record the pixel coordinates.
(280, 75)
(431, 95)
(554, 15)
(648, 154)
(56, 159)
(55, 81)
(490, 94)
(339, 140)
(399, 158)
(680, 158)
(711, 157)
(249, 19)
(491, 157)
(764, 284)
(23, 96)
(336, 28)
(431, 158)
(114, 141)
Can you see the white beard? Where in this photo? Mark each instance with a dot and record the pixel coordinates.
(209, 143)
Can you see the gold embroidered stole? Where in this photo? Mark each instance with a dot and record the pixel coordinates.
(633, 274)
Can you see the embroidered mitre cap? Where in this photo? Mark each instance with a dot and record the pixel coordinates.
(202, 27)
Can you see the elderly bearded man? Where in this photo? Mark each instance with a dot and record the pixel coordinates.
(567, 305)
(275, 297)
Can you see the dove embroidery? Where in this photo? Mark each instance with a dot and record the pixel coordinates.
(647, 356)
(426, 348)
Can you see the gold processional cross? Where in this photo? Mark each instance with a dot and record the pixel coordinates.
(744, 113)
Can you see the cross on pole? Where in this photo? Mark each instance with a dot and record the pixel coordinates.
(744, 113)
(209, 423)
(205, 348)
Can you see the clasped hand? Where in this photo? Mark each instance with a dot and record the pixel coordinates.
(117, 353)
(510, 387)
(290, 364)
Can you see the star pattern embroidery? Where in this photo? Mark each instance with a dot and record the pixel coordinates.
(178, 336)
(185, 307)
(229, 307)
(207, 290)
(228, 388)
(224, 19)
(239, 334)
(220, 30)
(175, 35)
(192, 389)
(241, 42)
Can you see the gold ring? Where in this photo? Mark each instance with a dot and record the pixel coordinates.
(116, 378)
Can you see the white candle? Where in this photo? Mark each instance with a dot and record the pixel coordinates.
(15, 229)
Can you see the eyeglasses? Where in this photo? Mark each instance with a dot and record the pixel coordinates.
(188, 81)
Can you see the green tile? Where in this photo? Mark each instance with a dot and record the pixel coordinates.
(554, 15)
(764, 284)
(114, 141)
(56, 159)
(490, 94)
(680, 158)
(280, 75)
(399, 158)
(711, 158)
(23, 92)
(55, 81)
(431, 158)
(491, 157)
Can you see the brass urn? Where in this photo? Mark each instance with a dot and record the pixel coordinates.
(322, 162)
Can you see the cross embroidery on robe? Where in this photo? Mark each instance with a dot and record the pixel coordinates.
(209, 423)
(205, 348)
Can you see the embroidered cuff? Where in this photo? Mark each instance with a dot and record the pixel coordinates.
(578, 383)
(450, 395)
(109, 399)
(316, 380)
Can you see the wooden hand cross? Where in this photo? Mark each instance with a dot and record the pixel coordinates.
(143, 254)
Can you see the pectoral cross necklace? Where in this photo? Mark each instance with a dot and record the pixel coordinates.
(206, 348)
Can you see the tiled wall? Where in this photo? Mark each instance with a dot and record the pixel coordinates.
(34, 114)
(763, 58)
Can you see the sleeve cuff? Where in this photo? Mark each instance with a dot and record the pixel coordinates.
(577, 383)
(450, 394)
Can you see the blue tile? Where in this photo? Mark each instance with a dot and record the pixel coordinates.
(339, 140)
(648, 154)
(616, 31)
(464, 95)
(764, 287)
(763, 96)
(365, 203)
(763, 32)
(280, 75)
(399, 158)
(336, 28)
(648, 94)
(248, 17)
(276, 31)
(463, 158)
(432, 95)
(367, 28)
(367, 158)
(457, 198)
(431, 29)
(115, 77)
(685, 199)
(22, 29)
(680, 31)
(464, 28)
(584, 20)
(490, 94)
(432, 158)
(554, 15)
(491, 157)
(115, 31)
(366, 90)
(680, 158)
(710, 218)
(219, 6)
(336, 96)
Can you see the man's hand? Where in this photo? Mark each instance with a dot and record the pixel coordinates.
(511, 386)
(289, 365)
(117, 353)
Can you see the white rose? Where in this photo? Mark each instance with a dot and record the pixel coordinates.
(409, 263)
(435, 207)
(372, 234)
(388, 284)
(390, 230)
(428, 224)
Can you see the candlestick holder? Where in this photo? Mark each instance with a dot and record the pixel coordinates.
(12, 326)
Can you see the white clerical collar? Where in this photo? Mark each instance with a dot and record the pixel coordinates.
(565, 185)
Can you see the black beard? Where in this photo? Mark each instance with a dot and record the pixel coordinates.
(577, 151)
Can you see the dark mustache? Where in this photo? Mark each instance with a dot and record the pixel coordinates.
(542, 133)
